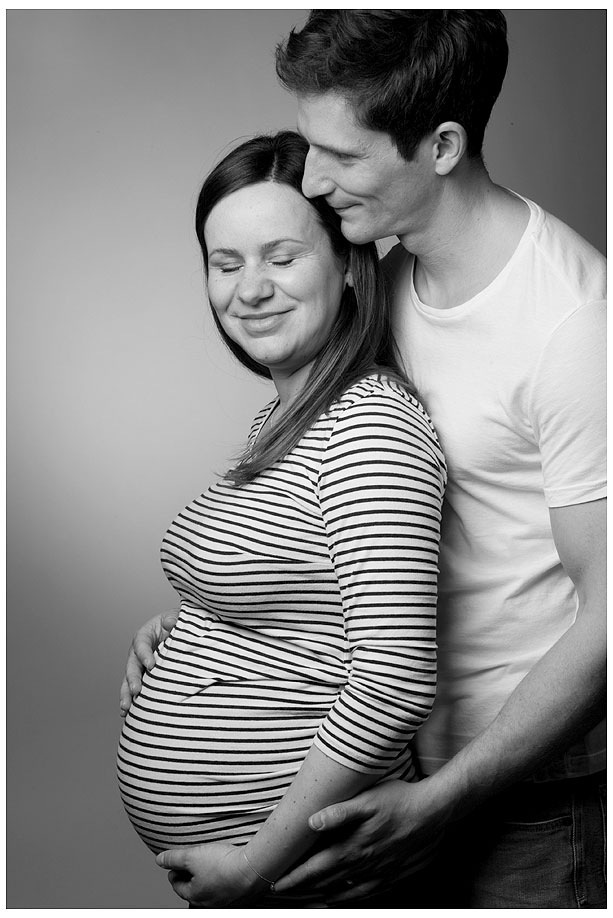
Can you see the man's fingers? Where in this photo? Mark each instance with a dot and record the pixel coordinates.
(309, 872)
(333, 866)
(352, 892)
(336, 816)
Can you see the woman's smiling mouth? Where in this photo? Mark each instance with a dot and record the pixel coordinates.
(262, 323)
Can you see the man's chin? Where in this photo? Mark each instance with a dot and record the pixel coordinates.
(355, 233)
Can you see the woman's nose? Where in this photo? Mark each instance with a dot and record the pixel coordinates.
(254, 285)
(315, 182)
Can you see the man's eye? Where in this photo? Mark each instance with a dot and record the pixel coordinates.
(228, 269)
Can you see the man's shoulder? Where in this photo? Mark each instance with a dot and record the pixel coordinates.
(560, 249)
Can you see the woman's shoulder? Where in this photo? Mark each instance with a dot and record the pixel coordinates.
(378, 385)
(384, 390)
(382, 405)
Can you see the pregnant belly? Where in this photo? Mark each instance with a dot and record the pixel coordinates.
(211, 762)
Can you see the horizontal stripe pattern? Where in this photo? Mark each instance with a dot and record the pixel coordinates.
(308, 614)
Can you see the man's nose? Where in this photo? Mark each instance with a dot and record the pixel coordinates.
(315, 182)
(254, 285)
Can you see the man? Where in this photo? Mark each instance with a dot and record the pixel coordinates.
(499, 315)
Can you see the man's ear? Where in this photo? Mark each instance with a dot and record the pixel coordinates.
(450, 143)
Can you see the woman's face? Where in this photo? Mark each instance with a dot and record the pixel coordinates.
(273, 278)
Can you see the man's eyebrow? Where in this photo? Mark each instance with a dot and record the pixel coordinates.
(336, 151)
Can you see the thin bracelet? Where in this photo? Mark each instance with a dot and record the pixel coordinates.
(271, 883)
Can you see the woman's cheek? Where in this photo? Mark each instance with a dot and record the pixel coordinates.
(220, 295)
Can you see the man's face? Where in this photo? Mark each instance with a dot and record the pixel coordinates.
(361, 174)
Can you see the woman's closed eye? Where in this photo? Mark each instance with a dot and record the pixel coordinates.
(283, 262)
(228, 269)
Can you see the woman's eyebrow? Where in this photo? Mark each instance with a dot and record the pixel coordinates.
(266, 247)
(223, 252)
(269, 246)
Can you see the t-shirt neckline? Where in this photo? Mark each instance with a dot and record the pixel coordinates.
(474, 301)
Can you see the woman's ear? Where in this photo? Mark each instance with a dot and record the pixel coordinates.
(348, 278)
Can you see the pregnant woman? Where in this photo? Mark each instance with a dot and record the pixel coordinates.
(304, 657)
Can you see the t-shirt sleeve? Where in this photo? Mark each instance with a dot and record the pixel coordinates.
(381, 487)
(568, 408)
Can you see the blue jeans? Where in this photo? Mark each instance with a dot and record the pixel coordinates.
(538, 845)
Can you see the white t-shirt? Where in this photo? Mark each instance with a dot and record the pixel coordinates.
(514, 382)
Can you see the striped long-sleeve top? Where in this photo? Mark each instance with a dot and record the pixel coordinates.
(308, 613)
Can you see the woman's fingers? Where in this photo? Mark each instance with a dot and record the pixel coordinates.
(141, 656)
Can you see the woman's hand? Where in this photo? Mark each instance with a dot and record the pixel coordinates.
(148, 637)
(212, 876)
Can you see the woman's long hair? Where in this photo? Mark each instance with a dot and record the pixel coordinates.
(360, 342)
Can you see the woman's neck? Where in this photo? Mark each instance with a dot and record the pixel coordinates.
(289, 385)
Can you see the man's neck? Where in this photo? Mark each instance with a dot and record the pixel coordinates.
(473, 234)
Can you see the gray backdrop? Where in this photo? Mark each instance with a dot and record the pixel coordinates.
(122, 404)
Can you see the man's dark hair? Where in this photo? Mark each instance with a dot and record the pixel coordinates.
(403, 71)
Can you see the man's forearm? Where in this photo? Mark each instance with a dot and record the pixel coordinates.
(555, 704)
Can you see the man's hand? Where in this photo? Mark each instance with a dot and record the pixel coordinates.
(211, 876)
(373, 837)
(140, 657)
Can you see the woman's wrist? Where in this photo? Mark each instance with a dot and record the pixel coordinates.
(258, 882)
